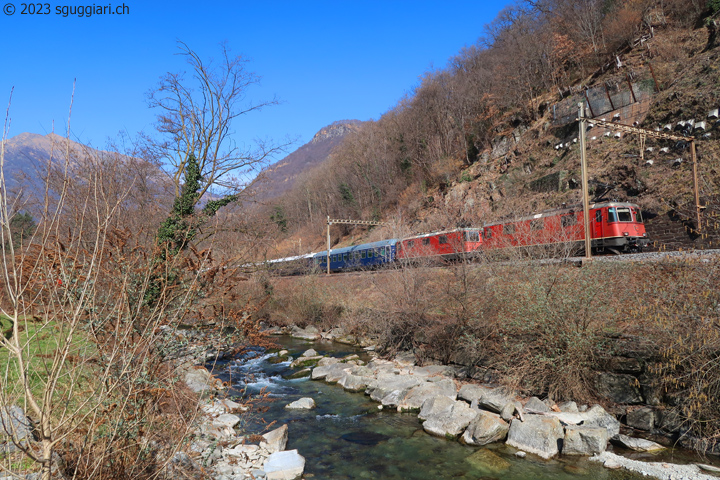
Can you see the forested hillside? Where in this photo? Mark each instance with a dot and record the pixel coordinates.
(494, 133)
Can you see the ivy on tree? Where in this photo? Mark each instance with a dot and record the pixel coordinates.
(181, 227)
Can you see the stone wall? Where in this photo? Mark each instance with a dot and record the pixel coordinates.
(675, 230)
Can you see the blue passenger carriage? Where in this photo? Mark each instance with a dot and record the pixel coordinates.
(365, 256)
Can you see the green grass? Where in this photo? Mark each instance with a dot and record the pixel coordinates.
(40, 342)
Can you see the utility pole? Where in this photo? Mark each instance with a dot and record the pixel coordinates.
(348, 222)
(583, 170)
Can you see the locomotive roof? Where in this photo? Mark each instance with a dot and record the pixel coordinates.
(560, 211)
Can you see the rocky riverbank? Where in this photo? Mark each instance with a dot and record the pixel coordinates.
(475, 414)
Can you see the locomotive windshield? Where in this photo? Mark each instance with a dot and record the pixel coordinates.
(624, 214)
(619, 214)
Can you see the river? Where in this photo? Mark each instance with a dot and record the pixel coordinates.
(348, 437)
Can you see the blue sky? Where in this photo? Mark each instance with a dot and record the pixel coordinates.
(324, 60)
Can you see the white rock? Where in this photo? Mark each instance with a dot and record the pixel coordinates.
(637, 444)
(305, 403)
(287, 465)
(227, 420)
(276, 440)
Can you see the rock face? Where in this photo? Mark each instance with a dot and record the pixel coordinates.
(538, 434)
(286, 465)
(641, 418)
(620, 388)
(581, 440)
(452, 422)
(486, 428)
(302, 404)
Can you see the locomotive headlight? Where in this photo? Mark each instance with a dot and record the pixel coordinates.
(626, 233)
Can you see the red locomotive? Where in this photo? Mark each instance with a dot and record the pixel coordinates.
(448, 245)
(614, 226)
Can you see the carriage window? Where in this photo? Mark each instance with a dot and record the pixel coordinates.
(537, 224)
(363, 254)
(443, 239)
(624, 214)
(508, 229)
(568, 220)
(426, 241)
(344, 257)
(612, 215)
(598, 216)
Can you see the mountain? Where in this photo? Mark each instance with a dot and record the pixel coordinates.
(279, 177)
(27, 157)
(27, 154)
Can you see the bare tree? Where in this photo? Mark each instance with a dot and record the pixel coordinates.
(196, 117)
(78, 351)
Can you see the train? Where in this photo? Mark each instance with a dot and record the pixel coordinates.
(616, 227)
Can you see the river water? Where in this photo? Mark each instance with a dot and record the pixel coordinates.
(348, 437)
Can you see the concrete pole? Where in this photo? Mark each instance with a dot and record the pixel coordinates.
(583, 170)
(695, 183)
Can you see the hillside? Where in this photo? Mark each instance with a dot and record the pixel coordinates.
(281, 176)
(476, 142)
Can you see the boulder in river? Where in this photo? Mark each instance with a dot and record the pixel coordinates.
(287, 465)
(451, 423)
(637, 444)
(305, 403)
(309, 333)
(493, 399)
(488, 462)
(487, 428)
(416, 396)
(538, 434)
(385, 384)
(582, 440)
(435, 406)
(356, 379)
